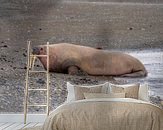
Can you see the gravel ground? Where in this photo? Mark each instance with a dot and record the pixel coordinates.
(13, 71)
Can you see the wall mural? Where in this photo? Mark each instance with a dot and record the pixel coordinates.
(133, 29)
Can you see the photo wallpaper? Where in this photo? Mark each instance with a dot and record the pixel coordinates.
(127, 27)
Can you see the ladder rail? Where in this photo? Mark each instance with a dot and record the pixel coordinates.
(32, 61)
(47, 78)
(26, 86)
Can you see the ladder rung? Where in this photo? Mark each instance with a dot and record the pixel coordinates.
(37, 105)
(39, 55)
(37, 89)
(32, 71)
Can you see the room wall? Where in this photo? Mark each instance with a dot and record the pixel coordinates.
(112, 26)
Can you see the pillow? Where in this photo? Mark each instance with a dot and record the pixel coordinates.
(103, 95)
(79, 91)
(70, 95)
(131, 90)
(71, 92)
(144, 92)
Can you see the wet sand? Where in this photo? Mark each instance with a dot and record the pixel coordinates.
(153, 61)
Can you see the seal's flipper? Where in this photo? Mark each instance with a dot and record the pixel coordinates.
(99, 48)
(73, 70)
(135, 74)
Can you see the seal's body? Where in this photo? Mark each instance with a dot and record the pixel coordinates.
(64, 57)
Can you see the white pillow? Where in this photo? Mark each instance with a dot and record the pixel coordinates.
(131, 90)
(123, 85)
(71, 93)
(144, 92)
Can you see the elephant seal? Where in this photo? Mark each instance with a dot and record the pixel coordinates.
(69, 58)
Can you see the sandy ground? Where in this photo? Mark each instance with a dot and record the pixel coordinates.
(111, 26)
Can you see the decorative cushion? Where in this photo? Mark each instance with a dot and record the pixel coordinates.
(101, 95)
(79, 91)
(131, 90)
(71, 91)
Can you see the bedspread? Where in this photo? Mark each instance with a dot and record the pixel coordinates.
(105, 114)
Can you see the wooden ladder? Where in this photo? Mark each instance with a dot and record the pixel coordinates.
(30, 65)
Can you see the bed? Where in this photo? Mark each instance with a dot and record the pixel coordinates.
(106, 114)
(102, 109)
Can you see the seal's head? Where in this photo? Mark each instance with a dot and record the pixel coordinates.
(39, 50)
